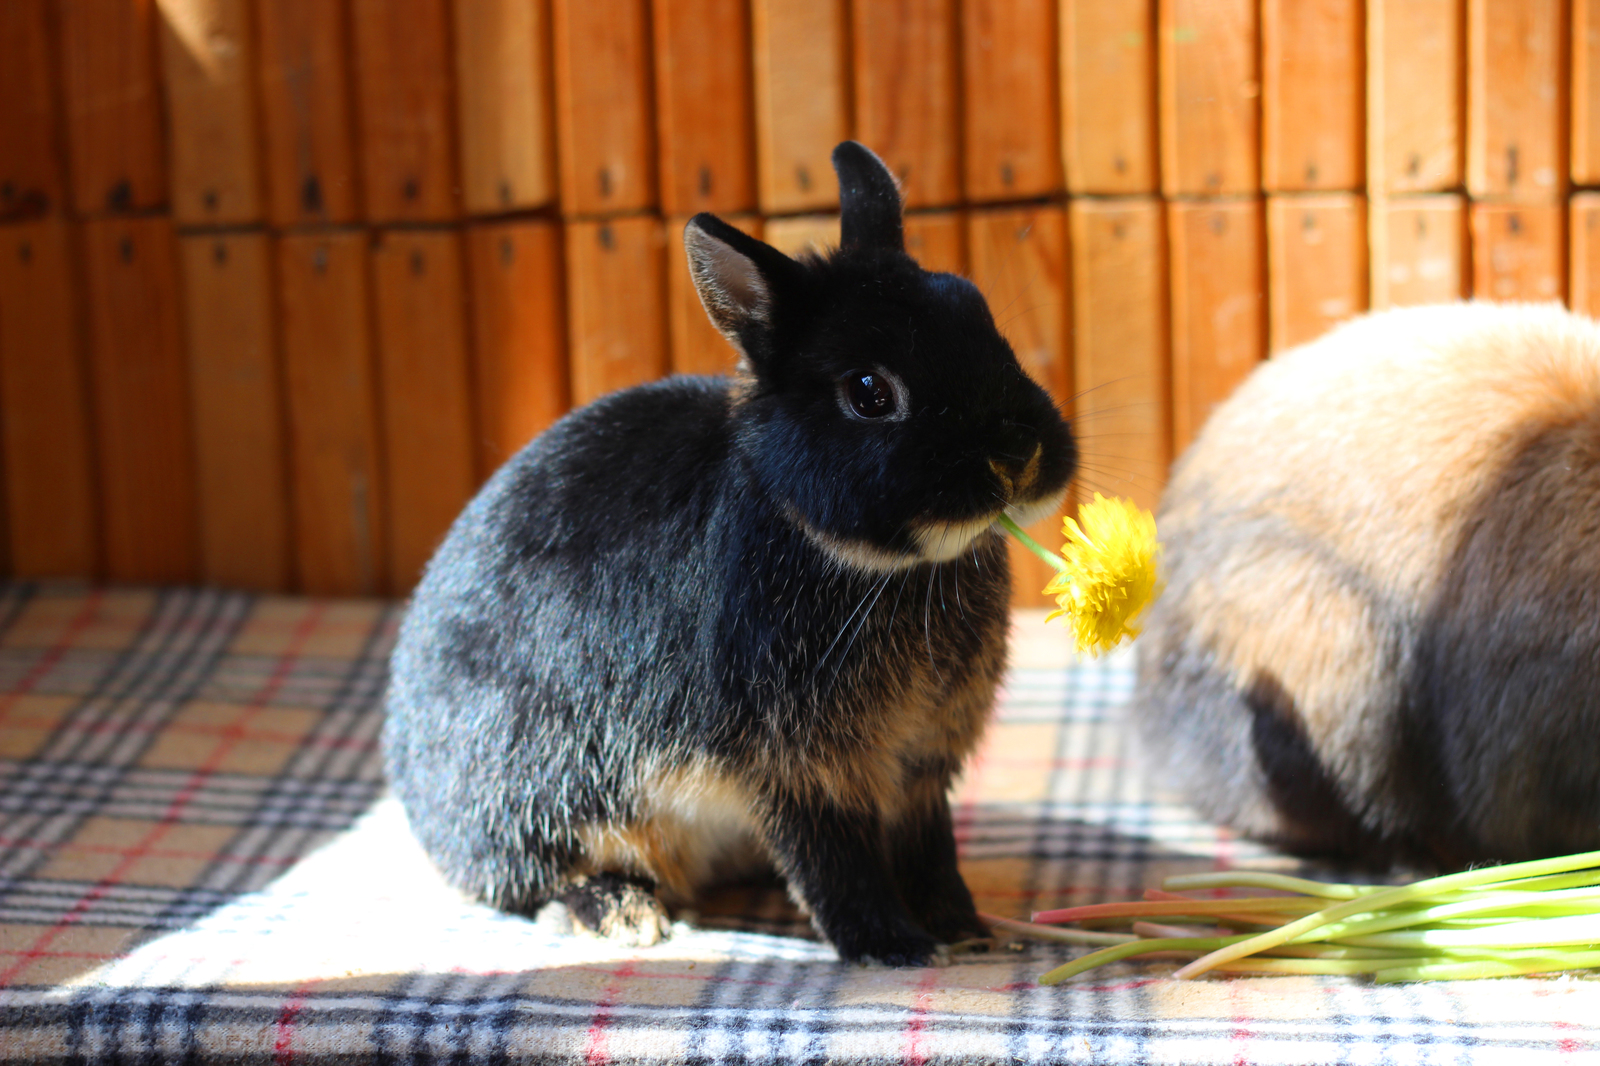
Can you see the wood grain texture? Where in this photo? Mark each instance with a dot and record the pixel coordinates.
(1316, 265)
(1011, 140)
(405, 98)
(604, 113)
(1418, 248)
(505, 109)
(1415, 66)
(1518, 251)
(905, 76)
(1210, 96)
(705, 121)
(1583, 222)
(1218, 288)
(426, 396)
(1313, 117)
(113, 105)
(1108, 96)
(697, 347)
(44, 405)
(616, 304)
(308, 133)
(802, 102)
(1121, 410)
(519, 335)
(207, 62)
(32, 181)
(143, 432)
(230, 331)
(1514, 107)
(334, 449)
(1585, 92)
(1018, 258)
(798, 234)
(937, 240)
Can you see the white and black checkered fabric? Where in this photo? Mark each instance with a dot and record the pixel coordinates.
(197, 865)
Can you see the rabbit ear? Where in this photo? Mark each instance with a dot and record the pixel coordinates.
(869, 200)
(735, 274)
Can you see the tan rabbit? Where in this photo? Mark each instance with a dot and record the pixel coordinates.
(1381, 629)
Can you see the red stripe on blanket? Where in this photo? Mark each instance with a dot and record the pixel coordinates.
(47, 662)
(146, 846)
(596, 1050)
(916, 1027)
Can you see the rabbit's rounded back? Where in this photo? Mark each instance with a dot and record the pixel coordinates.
(707, 622)
(1381, 629)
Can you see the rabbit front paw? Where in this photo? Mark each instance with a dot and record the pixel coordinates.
(620, 908)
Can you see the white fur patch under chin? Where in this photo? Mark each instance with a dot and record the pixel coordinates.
(1028, 513)
(940, 542)
(856, 554)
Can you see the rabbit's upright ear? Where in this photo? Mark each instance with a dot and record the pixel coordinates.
(869, 200)
(737, 276)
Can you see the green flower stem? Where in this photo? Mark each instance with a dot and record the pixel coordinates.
(1118, 952)
(1552, 962)
(1049, 932)
(1387, 898)
(1280, 882)
(1032, 545)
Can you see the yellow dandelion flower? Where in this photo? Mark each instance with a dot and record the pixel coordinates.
(1106, 573)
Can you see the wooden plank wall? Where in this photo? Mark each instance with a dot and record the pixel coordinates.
(282, 282)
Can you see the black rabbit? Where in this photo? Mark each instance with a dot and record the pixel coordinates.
(710, 624)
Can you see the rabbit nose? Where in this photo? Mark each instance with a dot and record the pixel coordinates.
(1016, 476)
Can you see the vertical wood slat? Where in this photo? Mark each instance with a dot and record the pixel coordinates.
(1210, 89)
(802, 233)
(1011, 140)
(1218, 321)
(1108, 96)
(418, 298)
(140, 387)
(1583, 223)
(1316, 265)
(236, 392)
(31, 178)
(406, 103)
(113, 105)
(1585, 89)
(1312, 114)
(802, 101)
(1518, 251)
(1414, 105)
(615, 343)
(1120, 367)
(334, 457)
(904, 80)
(605, 151)
(1514, 106)
(1418, 250)
(519, 348)
(504, 111)
(308, 132)
(705, 122)
(937, 240)
(44, 405)
(207, 61)
(1018, 258)
(697, 347)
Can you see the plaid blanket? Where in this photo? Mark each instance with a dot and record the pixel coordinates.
(197, 864)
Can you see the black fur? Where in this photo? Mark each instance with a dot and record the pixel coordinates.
(669, 582)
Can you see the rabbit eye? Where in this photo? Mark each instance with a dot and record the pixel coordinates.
(870, 395)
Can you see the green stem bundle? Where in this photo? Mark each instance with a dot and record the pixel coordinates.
(1522, 918)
